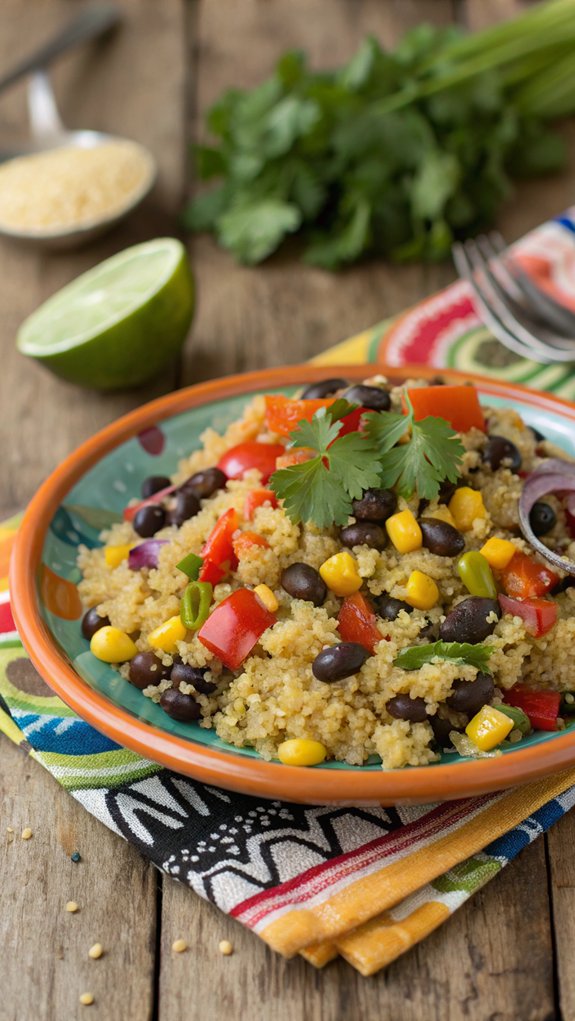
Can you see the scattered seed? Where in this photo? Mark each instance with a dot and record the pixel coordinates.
(26, 833)
(76, 856)
(225, 947)
(9, 829)
(179, 945)
(86, 999)
(96, 951)
(71, 906)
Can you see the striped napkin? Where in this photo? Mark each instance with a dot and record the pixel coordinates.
(363, 882)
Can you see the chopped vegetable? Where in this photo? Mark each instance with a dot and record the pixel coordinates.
(284, 414)
(539, 614)
(195, 605)
(395, 153)
(258, 498)
(432, 454)
(357, 622)
(520, 719)
(267, 597)
(191, 566)
(404, 531)
(218, 551)
(498, 552)
(112, 645)
(458, 405)
(131, 511)
(421, 591)
(235, 626)
(542, 707)
(301, 751)
(145, 554)
(167, 635)
(553, 476)
(340, 574)
(414, 656)
(114, 555)
(476, 575)
(245, 542)
(466, 505)
(488, 728)
(524, 577)
(251, 454)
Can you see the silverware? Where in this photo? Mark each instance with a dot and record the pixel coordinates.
(520, 314)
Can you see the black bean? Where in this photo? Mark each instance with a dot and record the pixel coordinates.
(467, 622)
(92, 622)
(205, 483)
(441, 730)
(499, 452)
(403, 707)
(372, 397)
(388, 607)
(469, 696)
(538, 435)
(146, 668)
(428, 632)
(179, 706)
(339, 661)
(446, 490)
(325, 388)
(542, 518)
(184, 673)
(153, 484)
(364, 533)
(441, 538)
(148, 520)
(187, 506)
(303, 582)
(375, 505)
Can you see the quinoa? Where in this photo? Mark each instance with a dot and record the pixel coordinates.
(274, 696)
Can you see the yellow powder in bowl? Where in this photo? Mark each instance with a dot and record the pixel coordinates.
(70, 188)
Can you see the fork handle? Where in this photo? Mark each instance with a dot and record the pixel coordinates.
(94, 21)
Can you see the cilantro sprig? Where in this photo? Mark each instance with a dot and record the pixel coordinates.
(323, 488)
(413, 657)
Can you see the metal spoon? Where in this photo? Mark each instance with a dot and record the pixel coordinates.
(49, 133)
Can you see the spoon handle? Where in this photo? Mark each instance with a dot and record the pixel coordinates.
(92, 22)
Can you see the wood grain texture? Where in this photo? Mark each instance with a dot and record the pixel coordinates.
(560, 844)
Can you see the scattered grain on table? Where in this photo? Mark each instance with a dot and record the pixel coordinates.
(26, 833)
(179, 945)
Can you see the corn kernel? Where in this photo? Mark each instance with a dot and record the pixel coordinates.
(112, 645)
(442, 513)
(114, 555)
(341, 575)
(466, 505)
(167, 635)
(498, 552)
(266, 596)
(404, 532)
(301, 751)
(421, 591)
(488, 728)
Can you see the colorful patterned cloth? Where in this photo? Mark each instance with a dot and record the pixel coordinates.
(364, 882)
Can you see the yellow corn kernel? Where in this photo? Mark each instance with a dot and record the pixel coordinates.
(301, 751)
(404, 532)
(421, 591)
(114, 555)
(167, 635)
(442, 513)
(489, 727)
(112, 645)
(341, 575)
(266, 596)
(466, 505)
(498, 552)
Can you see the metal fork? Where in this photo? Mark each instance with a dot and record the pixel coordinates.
(520, 314)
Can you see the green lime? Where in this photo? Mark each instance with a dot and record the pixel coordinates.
(118, 324)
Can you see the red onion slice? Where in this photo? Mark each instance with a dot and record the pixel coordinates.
(130, 512)
(541, 483)
(145, 554)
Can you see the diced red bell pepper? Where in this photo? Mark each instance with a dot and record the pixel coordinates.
(298, 455)
(524, 577)
(240, 459)
(284, 414)
(539, 614)
(357, 622)
(458, 405)
(542, 707)
(257, 498)
(130, 512)
(244, 542)
(218, 550)
(235, 626)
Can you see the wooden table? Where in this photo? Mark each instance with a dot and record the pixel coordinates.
(508, 953)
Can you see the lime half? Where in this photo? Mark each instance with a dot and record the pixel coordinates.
(118, 324)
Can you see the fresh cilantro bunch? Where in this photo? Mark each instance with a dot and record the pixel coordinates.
(323, 488)
(394, 154)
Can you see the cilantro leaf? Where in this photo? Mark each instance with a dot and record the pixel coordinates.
(254, 229)
(385, 428)
(351, 461)
(317, 434)
(311, 492)
(413, 657)
(432, 454)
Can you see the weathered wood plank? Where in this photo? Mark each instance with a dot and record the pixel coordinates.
(560, 842)
(45, 963)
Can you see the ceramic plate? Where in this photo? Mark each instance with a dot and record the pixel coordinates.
(89, 491)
